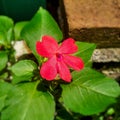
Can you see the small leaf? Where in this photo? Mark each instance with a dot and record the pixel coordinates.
(4, 89)
(41, 24)
(5, 23)
(3, 39)
(3, 59)
(6, 30)
(85, 51)
(4, 75)
(18, 28)
(90, 92)
(25, 102)
(23, 70)
(17, 79)
(24, 67)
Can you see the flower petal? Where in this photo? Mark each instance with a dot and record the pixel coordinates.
(74, 62)
(49, 69)
(64, 72)
(47, 46)
(68, 46)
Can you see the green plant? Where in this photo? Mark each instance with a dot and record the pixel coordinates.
(25, 95)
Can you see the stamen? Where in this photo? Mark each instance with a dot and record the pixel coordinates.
(59, 56)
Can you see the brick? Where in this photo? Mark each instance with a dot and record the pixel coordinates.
(96, 21)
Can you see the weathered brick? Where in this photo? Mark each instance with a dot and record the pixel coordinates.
(95, 21)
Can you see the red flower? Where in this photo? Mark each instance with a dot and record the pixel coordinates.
(59, 58)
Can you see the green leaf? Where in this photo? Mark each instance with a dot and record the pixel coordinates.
(6, 30)
(5, 23)
(23, 70)
(3, 39)
(4, 89)
(85, 51)
(18, 28)
(24, 67)
(41, 24)
(17, 79)
(4, 75)
(3, 60)
(25, 102)
(90, 92)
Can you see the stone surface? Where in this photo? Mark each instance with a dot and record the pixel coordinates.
(21, 49)
(106, 55)
(96, 21)
(112, 73)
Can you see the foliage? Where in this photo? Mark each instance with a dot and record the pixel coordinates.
(24, 95)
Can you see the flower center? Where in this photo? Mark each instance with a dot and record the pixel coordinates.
(59, 56)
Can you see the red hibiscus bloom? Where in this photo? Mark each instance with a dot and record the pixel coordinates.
(60, 58)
